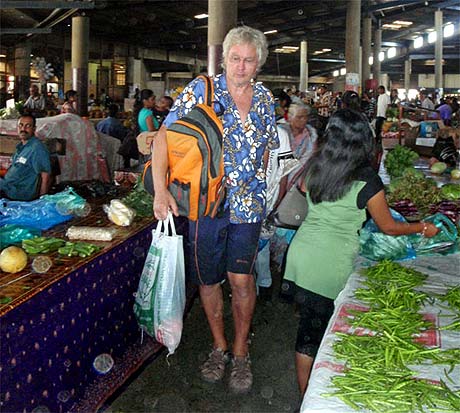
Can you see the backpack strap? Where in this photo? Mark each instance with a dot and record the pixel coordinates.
(208, 89)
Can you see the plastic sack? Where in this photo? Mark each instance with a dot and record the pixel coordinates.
(377, 246)
(119, 213)
(39, 214)
(12, 234)
(445, 242)
(68, 202)
(160, 299)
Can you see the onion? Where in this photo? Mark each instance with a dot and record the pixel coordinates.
(13, 259)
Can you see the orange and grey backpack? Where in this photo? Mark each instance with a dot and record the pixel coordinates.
(195, 159)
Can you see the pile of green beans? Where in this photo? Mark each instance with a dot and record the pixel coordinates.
(376, 374)
(78, 249)
(452, 298)
(41, 245)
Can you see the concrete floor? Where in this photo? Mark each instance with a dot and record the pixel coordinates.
(174, 385)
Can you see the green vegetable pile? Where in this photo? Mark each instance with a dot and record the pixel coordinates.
(452, 298)
(78, 249)
(376, 375)
(450, 192)
(415, 187)
(398, 159)
(139, 200)
(42, 245)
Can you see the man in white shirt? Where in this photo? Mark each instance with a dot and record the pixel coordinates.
(382, 104)
(427, 103)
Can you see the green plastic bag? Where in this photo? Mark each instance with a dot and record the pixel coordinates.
(445, 242)
(12, 234)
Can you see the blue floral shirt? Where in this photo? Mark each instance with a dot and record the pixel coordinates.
(244, 144)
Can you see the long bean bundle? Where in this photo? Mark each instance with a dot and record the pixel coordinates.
(377, 376)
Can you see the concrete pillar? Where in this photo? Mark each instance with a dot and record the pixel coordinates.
(366, 51)
(376, 65)
(352, 36)
(407, 73)
(222, 16)
(303, 66)
(438, 52)
(80, 53)
(130, 67)
(22, 71)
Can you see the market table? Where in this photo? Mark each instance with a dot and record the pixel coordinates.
(56, 324)
(441, 271)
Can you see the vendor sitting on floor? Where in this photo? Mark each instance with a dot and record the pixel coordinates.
(29, 174)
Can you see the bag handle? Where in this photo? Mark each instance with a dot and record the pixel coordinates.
(208, 89)
(166, 223)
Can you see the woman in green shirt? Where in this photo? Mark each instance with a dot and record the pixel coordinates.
(340, 186)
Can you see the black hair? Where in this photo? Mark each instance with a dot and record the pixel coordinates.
(113, 110)
(170, 100)
(69, 94)
(28, 115)
(139, 104)
(347, 146)
(351, 100)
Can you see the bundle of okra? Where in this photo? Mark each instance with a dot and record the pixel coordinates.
(377, 376)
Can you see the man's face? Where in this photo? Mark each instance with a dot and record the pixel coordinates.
(26, 129)
(241, 64)
(33, 90)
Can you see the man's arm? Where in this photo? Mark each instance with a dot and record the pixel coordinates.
(163, 200)
(45, 183)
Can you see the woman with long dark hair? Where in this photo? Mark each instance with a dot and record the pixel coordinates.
(340, 185)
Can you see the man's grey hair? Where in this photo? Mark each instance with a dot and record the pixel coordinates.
(246, 35)
(295, 108)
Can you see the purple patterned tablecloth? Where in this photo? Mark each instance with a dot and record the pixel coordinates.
(49, 343)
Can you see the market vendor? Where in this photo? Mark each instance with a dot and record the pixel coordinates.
(29, 174)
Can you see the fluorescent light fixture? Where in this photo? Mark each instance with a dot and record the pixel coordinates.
(391, 26)
(2, 55)
(371, 60)
(403, 22)
(418, 42)
(281, 50)
(343, 71)
(381, 56)
(201, 16)
(432, 37)
(448, 30)
(327, 50)
(335, 73)
(391, 52)
(294, 48)
(271, 31)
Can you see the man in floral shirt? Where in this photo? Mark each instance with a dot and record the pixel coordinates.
(226, 246)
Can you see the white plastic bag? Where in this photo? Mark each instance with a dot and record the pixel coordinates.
(160, 298)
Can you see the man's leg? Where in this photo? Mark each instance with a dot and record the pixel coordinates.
(213, 305)
(243, 304)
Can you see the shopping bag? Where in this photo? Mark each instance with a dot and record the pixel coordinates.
(160, 299)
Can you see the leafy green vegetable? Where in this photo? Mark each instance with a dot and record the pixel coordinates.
(398, 159)
(140, 200)
(420, 190)
(450, 192)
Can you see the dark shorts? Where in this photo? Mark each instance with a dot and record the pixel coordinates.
(218, 246)
(315, 313)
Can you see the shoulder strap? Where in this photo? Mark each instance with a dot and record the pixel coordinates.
(208, 89)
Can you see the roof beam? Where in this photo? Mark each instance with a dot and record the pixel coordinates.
(32, 30)
(44, 4)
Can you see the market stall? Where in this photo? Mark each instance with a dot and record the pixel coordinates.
(324, 393)
(87, 154)
(69, 335)
(393, 342)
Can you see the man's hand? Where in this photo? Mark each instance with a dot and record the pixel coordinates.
(163, 202)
